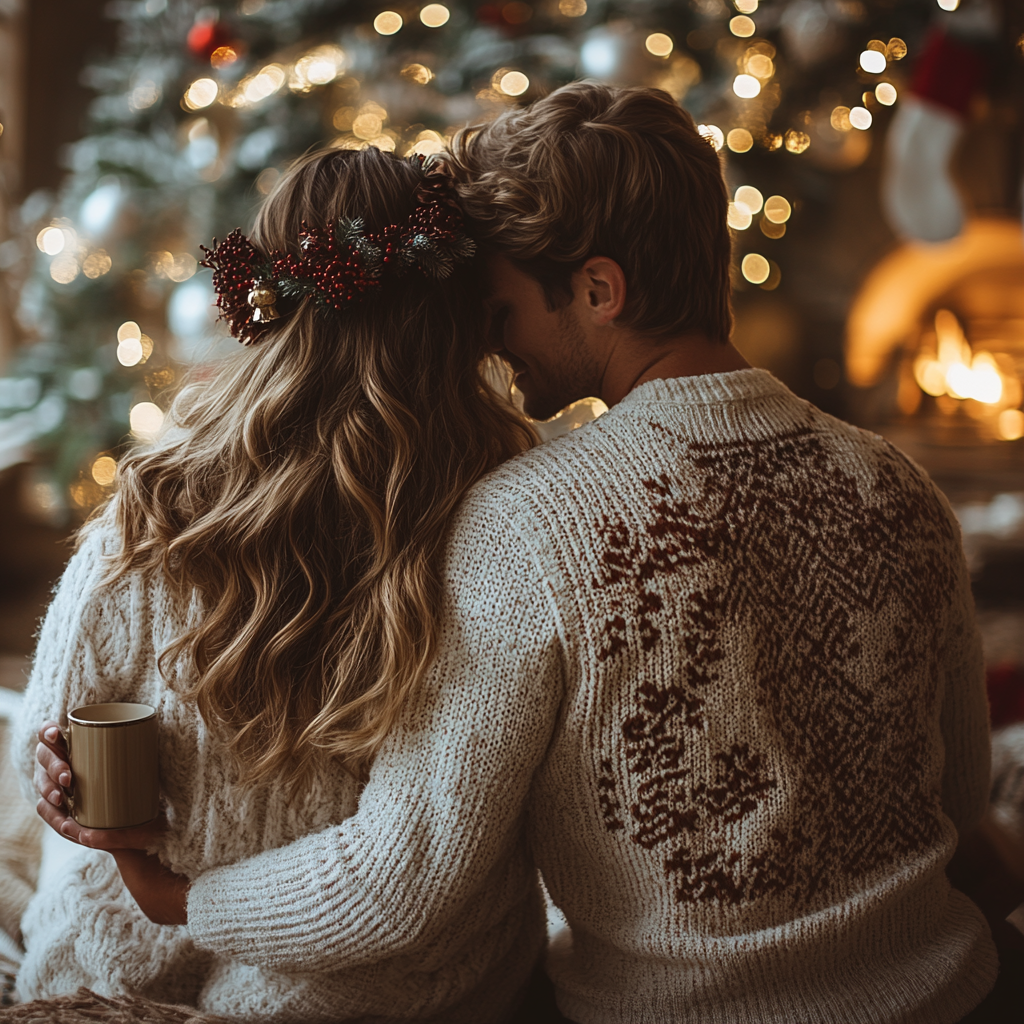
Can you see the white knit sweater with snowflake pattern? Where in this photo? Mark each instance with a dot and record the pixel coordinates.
(710, 663)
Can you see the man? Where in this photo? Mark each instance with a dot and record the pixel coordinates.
(708, 662)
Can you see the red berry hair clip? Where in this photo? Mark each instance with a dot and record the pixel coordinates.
(338, 264)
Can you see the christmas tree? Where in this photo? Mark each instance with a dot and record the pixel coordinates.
(203, 105)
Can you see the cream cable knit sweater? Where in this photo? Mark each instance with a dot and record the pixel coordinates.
(710, 662)
(100, 645)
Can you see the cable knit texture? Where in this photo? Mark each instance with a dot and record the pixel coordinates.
(716, 652)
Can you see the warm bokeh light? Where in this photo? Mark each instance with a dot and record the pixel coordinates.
(797, 142)
(739, 217)
(146, 419)
(263, 84)
(319, 66)
(223, 56)
(104, 469)
(755, 268)
(739, 140)
(713, 134)
(514, 83)
(572, 8)
(129, 352)
(201, 93)
(896, 48)
(840, 119)
(1011, 424)
(129, 329)
(948, 5)
(742, 26)
(746, 86)
(428, 142)
(64, 268)
(860, 117)
(760, 65)
(885, 93)
(770, 229)
(750, 197)
(777, 209)
(96, 264)
(387, 23)
(659, 44)
(418, 73)
(872, 62)
(367, 126)
(434, 15)
(745, 6)
(50, 240)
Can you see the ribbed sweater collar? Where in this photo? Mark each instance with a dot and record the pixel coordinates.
(740, 404)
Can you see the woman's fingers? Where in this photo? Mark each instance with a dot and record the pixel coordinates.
(56, 767)
(46, 787)
(139, 837)
(58, 820)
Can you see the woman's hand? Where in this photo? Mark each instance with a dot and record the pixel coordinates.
(159, 892)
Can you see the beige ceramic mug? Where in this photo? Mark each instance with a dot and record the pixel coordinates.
(115, 780)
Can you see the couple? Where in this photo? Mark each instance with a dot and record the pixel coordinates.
(708, 663)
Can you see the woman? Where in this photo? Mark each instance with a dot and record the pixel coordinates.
(267, 576)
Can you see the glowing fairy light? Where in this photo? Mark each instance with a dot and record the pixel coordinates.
(739, 217)
(713, 134)
(746, 86)
(51, 241)
(777, 209)
(103, 470)
(742, 26)
(435, 15)
(755, 268)
(201, 93)
(146, 419)
(750, 197)
(739, 140)
(860, 117)
(513, 83)
(885, 93)
(1011, 424)
(387, 23)
(872, 62)
(659, 44)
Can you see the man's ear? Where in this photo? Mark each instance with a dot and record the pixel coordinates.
(601, 286)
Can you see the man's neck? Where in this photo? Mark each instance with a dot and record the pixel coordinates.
(635, 360)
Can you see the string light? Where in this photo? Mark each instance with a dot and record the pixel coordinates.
(96, 264)
(1011, 424)
(713, 134)
(885, 93)
(948, 5)
(742, 26)
(777, 209)
(387, 23)
(434, 15)
(755, 268)
(797, 142)
(513, 83)
(738, 217)
(840, 119)
(146, 419)
(104, 469)
(201, 93)
(760, 65)
(418, 73)
(896, 48)
(64, 268)
(50, 240)
(264, 83)
(750, 197)
(860, 117)
(572, 8)
(659, 44)
(872, 62)
(746, 86)
(745, 6)
(739, 140)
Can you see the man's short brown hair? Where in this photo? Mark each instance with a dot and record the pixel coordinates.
(592, 170)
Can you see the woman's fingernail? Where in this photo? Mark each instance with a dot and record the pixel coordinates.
(65, 779)
(52, 734)
(56, 799)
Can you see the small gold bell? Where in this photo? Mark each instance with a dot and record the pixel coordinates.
(262, 299)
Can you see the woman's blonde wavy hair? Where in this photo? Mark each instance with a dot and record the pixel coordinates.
(304, 493)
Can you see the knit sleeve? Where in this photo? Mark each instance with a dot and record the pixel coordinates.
(444, 803)
(964, 717)
(76, 655)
